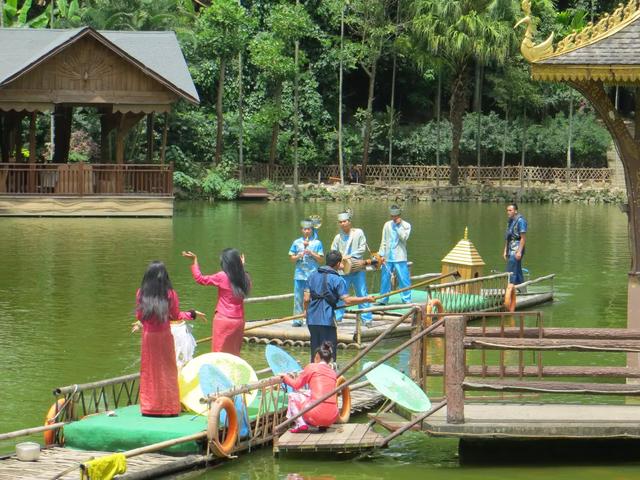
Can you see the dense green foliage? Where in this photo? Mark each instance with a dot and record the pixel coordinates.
(252, 43)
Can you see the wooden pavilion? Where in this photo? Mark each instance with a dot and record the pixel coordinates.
(602, 54)
(125, 77)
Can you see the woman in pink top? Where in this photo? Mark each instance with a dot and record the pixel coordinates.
(321, 379)
(233, 286)
(156, 304)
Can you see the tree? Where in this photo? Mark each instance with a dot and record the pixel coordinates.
(223, 30)
(461, 32)
(369, 21)
(12, 15)
(271, 52)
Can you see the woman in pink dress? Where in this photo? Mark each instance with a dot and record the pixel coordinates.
(233, 287)
(156, 305)
(321, 379)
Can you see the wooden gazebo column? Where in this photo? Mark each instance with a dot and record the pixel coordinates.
(629, 152)
(62, 133)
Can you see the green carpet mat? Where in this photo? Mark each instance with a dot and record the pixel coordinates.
(128, 429)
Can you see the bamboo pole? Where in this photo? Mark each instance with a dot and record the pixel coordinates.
(268, 298)
(536, 280)
(413, 422)
(375, 342)
(88, 386)
(360, 374)
(30, 431)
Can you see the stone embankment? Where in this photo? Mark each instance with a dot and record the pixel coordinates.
(554, 193)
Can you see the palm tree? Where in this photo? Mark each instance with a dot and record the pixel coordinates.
(459, 33)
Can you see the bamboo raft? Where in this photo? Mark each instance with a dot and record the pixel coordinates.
(489, 297)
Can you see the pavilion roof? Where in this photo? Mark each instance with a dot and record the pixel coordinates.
(605, 51)
(157, 54)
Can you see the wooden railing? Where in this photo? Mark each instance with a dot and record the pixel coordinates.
(420, 173)
(80, 179)
(500, 362)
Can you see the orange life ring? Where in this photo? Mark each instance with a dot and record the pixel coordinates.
(510, 298)
(433, 304)
(222, 449)
(345, 393)
(50, 418)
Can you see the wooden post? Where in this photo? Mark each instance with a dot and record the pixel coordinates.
(165, 129)
(62, 133)
(150, 137)
(455, 368)
(32, 153)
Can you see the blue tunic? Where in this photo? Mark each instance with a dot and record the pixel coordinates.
(516, 226)
(326, 288)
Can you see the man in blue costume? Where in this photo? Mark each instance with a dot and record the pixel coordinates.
(326, 289)
(393, 250)
(306, 252)
(515, 239)
(352, 244)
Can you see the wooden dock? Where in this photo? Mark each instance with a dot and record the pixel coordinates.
(349, 438)
(527, 421)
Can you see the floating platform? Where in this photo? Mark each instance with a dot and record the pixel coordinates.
(286, 334)
(56, 460)
(534, 421)
(348, 438)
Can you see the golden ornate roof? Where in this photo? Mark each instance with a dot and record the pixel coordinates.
(464, 253)
(606, 50)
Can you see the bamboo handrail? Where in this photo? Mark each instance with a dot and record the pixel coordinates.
(30, 431)
(380, 337)
(536, 280)
(88, 386)
(410, 424)
(384, 358)
(472, 280)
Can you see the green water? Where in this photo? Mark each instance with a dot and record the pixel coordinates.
(67, 294)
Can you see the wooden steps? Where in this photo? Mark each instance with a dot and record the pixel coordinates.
(348, 438)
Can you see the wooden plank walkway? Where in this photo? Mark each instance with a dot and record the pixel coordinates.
(56, 460)
(529, 420)
(349, 438)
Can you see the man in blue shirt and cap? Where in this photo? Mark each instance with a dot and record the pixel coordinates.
(306, 252)
(326, 289)
(515, 238)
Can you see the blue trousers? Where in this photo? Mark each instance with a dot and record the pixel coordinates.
(298, 296)
(515, 267)
(402, 279)
(359, 282)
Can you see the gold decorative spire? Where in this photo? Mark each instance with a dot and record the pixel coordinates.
(606, 26)
(464, 253)
(531, 51)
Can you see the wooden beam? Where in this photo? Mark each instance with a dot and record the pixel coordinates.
(150, 120)
(553, 387)
(533, 371)
(32, 137)
(62, 133)
(576, 344)
(127, 121)
(455, 363)
(165, 131)
(554, 332)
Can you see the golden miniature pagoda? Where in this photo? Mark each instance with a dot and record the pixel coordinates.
(465, 259)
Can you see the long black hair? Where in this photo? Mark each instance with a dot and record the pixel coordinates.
(154, 292)
(231, 264)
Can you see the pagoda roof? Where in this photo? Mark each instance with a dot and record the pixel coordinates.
(605, 51)
(464, 253)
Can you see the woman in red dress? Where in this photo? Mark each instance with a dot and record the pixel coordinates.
(321, 379)
(156, 305)
(233, 287)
